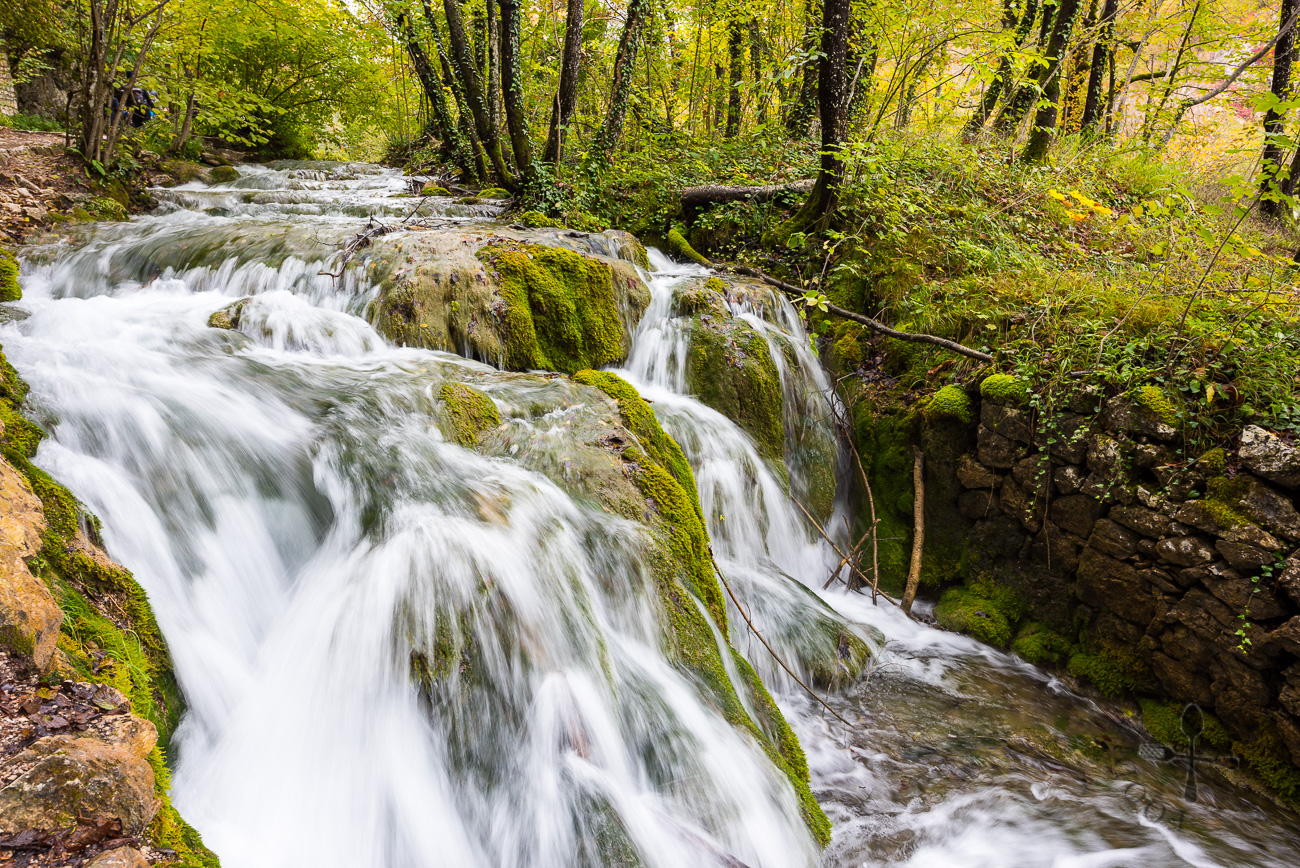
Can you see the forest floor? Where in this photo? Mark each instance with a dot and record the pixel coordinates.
(38, 178)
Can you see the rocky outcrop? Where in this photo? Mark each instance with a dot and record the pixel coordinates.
(518, 300)
(29, 617)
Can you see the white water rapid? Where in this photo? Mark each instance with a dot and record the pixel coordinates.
(299, 521)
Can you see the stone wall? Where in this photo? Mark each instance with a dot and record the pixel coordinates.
(1123, 547)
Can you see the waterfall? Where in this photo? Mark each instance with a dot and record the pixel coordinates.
(310, 538)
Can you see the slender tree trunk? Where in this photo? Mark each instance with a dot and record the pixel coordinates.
(860, 62)
(566, 96)
(621, 88)
(1001, 82)
(513, 90)
(1024, 96)
(469, 83)
(798, 122)
(735, 93)
(831, 94)
(464, 122)
(1044, 130)
(918, 530)
(1271, 165)
(756, 71)
(1103, 51)
(453, 144)
(494, 65)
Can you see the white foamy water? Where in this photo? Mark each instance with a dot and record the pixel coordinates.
(301, 525)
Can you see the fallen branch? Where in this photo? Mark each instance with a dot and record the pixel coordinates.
(874, 325)
(918, 528)
(845, 560)
(875, 535)
(702, 197)
(832, 544)
(361, 241)
(770, 649)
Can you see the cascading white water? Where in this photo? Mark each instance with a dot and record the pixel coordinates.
(300, 525)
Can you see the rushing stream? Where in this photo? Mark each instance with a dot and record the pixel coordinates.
(296, 517)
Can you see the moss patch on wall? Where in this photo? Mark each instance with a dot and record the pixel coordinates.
(950, 402)
(1041, 645)
(9, 288)
(1165, 722)
(1004, 389)
(983, 610)
(1113, 669)
(469, 412)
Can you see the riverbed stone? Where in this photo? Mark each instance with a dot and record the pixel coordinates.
(1267, 455)
(121, 857)
(1186, 551)
(29, 617)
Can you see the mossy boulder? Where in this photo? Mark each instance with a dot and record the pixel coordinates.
(1041, 645)
(1004, 389)
(493, 193)
(469, 412)
(1115, 670)
(701, 297)
(434, 190)
(558, 306)
(184, 171)
(100, 208)
(229, 316)
(538, 220)
(681, 249)
(10, 290)
(950, 402)
(730, 368)
(983, 610)
(223, 174)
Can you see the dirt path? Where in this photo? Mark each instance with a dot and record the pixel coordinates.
(37, 177)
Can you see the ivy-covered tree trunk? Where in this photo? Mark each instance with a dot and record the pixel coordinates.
(621, 88)
(1102, 60)
(566, 95)
(736, 59)
(453, 144)
(756, 71)
(1000, 85)
(463, 118)
(493, 65)
(799, 120)
(831, 97)
(1044, 129)
(512, 87)
(1024, 96)
(470, 85)
(860, 64)
(1271, 171)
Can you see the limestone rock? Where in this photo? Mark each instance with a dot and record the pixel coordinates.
(1267, 455)
(1145, 521)
(1034, 475)
(1287, 637)
(995, 450)
(978, 503)
(1238, 591)
(1109, 538)
(71, 777)
(1289, 579)
(1122, 414)
(1007, 421)
(1203, 517)
(1076, 513)
(1289, 696)
(1111, 584)
(122, 857)
(1183, 683)
(972, 474)
(1022, 506)
(1268, 508)
(1068, 479)
(1242, 555)
(29, 617)
(1186, 551)
(1054, 550)
(1066, 439)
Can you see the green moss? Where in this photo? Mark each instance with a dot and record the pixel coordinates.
(1041, 645)
(585, 222)
(561, 313)
(950, 402)
(884, 442)
(1153, 400)
(470, 412)
(696, 299)
(1223, 500)
(9, 288)
(1214, 462)
(679, 247)
(1268, 757)
(102, 208)
(1004, 389)
(538, 220)
(848, 352)
(224, 174)
(982, 610)
(729, 368)
(1164, 721)
(493, 193)
(426, 190)
(1114, 670)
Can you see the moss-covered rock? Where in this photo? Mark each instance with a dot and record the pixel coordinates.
(983, 610)
(730, 368)
(1004, 389)
(229, 316)
(1041, 645)
(1113, 669)
(223, 174)
(184, 171)
(1170, 723)
(493, 193)
(469, 412)
(99, 208)
(10, 290)
(950, 402)
(538, 220)
(680, 248)
(433, 190)
(1157, 403)
(559, 306)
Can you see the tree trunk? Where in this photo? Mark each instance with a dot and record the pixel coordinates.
(918, 530)
(512, 88)
(860, 64)
(621, 88)
(463, 60)
(800, 118)
(735, 93)
(1013, 111)
(566, 96)
(1001, 81)
(831, 94)
(494, 65)
(1044, 130)
(464, 121)
(1102, 60)
(453, 144)
(756, 71)
(1271, 170)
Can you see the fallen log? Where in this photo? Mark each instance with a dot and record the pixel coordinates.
(699, 198)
